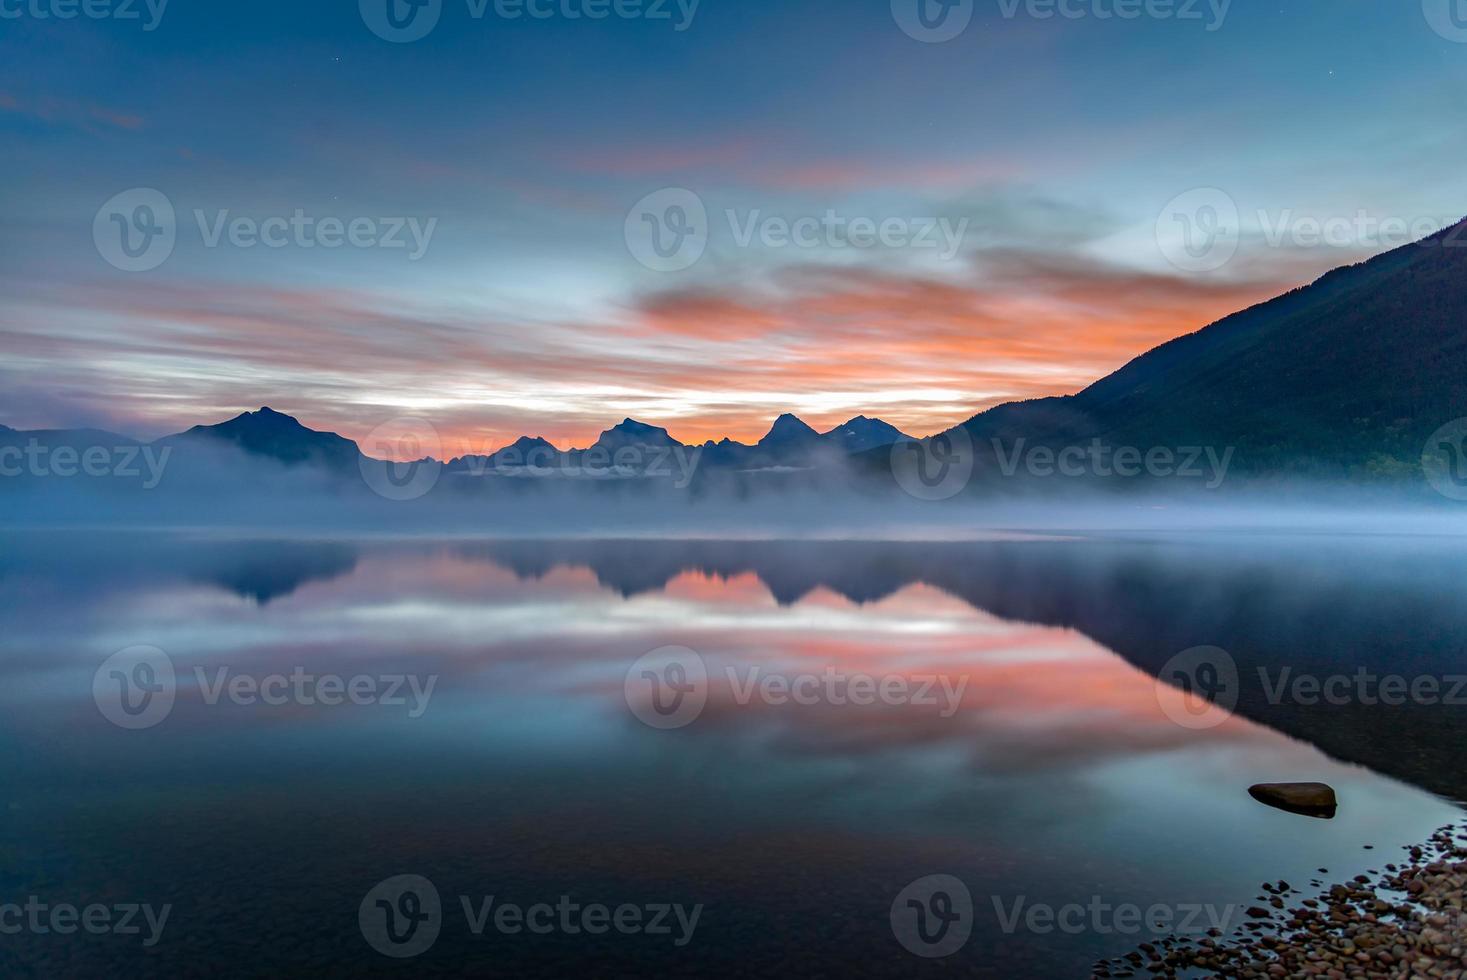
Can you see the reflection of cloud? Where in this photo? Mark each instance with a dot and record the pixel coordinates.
(1032, 698)
(1040, 699)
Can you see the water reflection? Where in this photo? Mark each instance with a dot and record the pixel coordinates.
(1054, 775)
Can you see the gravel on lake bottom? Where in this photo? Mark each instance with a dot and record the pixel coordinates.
(1405, 922)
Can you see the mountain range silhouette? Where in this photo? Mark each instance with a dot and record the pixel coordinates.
(1345, 378)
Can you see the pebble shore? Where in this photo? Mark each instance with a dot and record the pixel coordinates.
(1406, 921)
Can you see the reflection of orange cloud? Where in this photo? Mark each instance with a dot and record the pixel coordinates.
(703, 587)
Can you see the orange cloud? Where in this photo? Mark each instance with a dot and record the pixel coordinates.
(826, 343)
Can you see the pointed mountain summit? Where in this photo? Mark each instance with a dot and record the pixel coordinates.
(630, 432)
(527, 444)
(788, 430)
(862, 433)
(277, 436)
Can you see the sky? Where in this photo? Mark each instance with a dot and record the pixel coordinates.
(700, 215)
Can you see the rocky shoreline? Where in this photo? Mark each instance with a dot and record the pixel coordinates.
(1406, 921)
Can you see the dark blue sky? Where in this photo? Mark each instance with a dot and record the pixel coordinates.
(1050, 150)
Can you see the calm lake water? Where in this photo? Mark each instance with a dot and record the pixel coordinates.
(1017, 742)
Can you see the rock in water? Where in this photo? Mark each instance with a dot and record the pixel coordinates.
(1305, 799)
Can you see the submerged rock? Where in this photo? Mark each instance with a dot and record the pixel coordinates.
(1305, 799)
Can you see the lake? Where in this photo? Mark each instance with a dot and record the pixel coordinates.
(713, 758)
